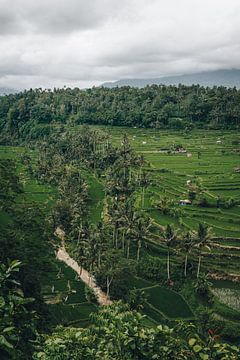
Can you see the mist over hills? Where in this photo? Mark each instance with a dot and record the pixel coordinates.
(227, 78)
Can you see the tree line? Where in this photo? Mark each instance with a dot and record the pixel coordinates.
(28, 114)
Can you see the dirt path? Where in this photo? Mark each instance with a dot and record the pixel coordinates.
(84, 275)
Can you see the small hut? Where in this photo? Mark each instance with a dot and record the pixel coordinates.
(185, 202)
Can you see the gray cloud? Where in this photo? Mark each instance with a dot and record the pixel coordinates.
(55, 16)
(80, 43)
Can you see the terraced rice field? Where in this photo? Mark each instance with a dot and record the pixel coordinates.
(65, 295)
(215, 169)
(34, 192)
(210, 158)
(162, 303)
(168, 302)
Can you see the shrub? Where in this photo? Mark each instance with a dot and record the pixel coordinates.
(90, 295)
(151, 268)
(230, 331)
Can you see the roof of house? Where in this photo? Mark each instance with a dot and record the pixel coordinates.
(186, 201)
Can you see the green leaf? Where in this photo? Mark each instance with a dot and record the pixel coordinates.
(40, 354)
(57, 341)
(2, 302)
(5, 343)
(204, 356)
(78, 334)
(192, 341)
(8, 329)
(15, 264)
(197, 348)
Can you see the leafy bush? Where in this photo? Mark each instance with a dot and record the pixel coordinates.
(151, 268)
(90, 295)
(118, 333)
(230, 331)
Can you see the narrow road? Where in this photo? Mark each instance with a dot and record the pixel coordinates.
(83, 274)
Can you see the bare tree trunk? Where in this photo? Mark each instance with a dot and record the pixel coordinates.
(185, 265)
(114, 231)
(99, 259)
(128, 248)
(199, 265)
(123, 240)
(90, 276)
(168, 265)
(108, 285)
(143, 195)
(116, 238)
(138, 250)
(109, 281)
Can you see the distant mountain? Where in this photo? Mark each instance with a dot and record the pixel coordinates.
(228, 78)
(7, 91)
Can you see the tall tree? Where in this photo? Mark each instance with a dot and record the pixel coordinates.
(171, 239)
(204, 241)
(187, 244)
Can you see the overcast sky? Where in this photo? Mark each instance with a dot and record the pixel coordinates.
(47, 43)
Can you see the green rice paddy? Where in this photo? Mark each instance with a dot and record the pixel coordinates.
(169, 303)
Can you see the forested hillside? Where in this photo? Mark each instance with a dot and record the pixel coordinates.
(29, 113)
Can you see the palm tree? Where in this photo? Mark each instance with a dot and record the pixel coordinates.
(116, 211)
(163, 204)
(170, 236)
(91, 252)
(129, 227)
(187, 245)
(100, 241)
(144, 182)
(120, 217)
(202, 285)
(204, 241)
(141, 228)
(83, 244)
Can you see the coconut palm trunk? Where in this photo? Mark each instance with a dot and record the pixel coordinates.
(116, 238)
(109, 281)
(168, 265)
(123, 240)
(128, 248)
(143, 197)
(114, 234)
(138, 250)
(199, 264)
(99, 259)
